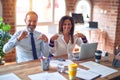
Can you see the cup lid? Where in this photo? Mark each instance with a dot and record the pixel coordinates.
(98, 51)
(73, 65)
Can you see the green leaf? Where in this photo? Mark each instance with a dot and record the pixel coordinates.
(1, 19)
(6, 27)
(4, 35)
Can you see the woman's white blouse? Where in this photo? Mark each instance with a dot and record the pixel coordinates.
(61, 47)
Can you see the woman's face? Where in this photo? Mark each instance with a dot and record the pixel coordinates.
(67, 26)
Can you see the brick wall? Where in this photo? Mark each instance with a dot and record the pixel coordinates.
(70, 6)
(117, 37)
(106, 13)
(9, 13)
(9, 17)
(109, 22)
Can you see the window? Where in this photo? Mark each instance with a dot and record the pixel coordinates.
(22, 8)
(0, 8)
(49, 11)
(84, 7)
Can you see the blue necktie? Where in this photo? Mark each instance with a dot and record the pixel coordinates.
(33, 46)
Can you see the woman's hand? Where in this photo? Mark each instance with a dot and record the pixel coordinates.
(79, 35)
(83, 37)
(54, 37)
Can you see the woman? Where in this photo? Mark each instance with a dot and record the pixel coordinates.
(65, 41)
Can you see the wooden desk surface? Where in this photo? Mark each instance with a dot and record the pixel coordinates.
(22, 70)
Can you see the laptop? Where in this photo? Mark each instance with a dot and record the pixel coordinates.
(87, 51)
(93, 24)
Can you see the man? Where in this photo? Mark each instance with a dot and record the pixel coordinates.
(22, 41)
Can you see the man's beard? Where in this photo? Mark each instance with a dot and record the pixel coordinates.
(29, 29)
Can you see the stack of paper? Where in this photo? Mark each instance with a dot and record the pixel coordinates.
(10, 76)
(98, 68)
(54, 63)
(47, 76)
(85, 74)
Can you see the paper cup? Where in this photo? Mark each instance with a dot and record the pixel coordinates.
(98, 54)
(72, 70)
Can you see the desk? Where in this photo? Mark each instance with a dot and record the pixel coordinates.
(88, 31)
(93, 35)
(22, 70)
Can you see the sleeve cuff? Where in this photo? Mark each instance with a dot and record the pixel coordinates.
(51, 44)
(84, 39)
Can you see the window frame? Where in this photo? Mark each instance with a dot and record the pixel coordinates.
(87, 17)
(47, 22)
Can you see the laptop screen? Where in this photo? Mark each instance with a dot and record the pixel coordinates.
(87, 50)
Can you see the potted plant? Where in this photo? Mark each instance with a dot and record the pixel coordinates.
(4, 37)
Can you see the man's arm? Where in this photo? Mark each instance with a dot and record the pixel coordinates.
(9, 46)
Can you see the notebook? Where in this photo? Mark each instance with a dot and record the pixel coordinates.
(87, 50)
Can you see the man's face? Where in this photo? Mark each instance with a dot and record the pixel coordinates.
(31, 21)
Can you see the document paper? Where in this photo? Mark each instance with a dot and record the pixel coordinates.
(85, 74)
(98, 68)
(47, 76)
(54, 63)
(10, 76)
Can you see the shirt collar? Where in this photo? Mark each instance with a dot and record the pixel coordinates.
(29, 31)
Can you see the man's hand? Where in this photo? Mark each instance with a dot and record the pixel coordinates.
(43, 37)
(22, 35)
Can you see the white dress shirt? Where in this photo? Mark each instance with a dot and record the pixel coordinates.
(23, 47)
(61, 47)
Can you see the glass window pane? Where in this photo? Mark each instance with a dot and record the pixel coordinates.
(60, 9)
(0, 8)
(21, 8)
(46, 10)
(84, 7)
(43, 9)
